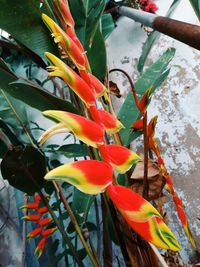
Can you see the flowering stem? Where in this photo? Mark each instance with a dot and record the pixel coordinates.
(131, 83)
(75, 224)
(116, 229)
(146, 148)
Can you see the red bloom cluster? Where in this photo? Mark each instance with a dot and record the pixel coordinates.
(148, 6)
(43, 222)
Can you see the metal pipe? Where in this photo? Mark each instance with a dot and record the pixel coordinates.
(185, 32)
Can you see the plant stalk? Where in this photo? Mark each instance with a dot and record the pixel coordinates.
(75, 224)
(146, 149)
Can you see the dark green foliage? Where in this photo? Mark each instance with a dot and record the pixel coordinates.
(24, 168)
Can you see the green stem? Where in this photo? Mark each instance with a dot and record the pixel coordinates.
(76, 226)
(146, 149)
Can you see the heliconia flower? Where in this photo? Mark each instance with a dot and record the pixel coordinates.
(34, 233)
(66, 43)
(40, 247)
(63, 12)
(30, 206)
(183, 219)
(42, 210)
(56, 129)
(151, 126)
(138, 125)
(111, 124)
(120, 157)
(144, 101)
(45, 222)
(48, 232)
(32, 217)
(86, 130)
(73, 80)
(89, 176)
(142, 217)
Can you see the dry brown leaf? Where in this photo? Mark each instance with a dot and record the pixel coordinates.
(114, 89)
(155, 179)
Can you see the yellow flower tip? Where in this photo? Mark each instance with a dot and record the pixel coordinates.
(23, 207)
(58, 39)
(24, 218)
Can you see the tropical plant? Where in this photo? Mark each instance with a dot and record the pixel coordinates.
(64, 200)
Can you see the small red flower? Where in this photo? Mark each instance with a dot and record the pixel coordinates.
(37, 198)
(34, 233)
(31, 206)
(32, 217)
(40, 247)
(48, 232)
(151, 7)
(42, 210)
(44, 222)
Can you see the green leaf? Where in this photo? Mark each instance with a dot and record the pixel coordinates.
(22, 19)
(81, 205)
(107, 25)
(153, 76)
(98, 59)
(73, 150)
(196, 6)
(153, 36)
(11, 111)
(29, 92)
(11, 136)
(24, 168)
(87, 17)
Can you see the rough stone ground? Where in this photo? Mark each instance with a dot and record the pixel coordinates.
(177, 104)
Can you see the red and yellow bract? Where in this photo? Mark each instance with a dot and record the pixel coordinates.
(63, 12)
(75, 82)
(89, 176)
(142, 217)
(138, 125)
(110, 123)
(86, 130)
(121, 158)
(143, 103)
(66, 43)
